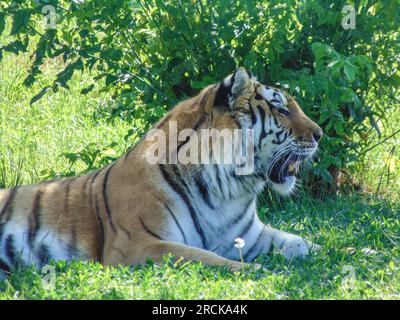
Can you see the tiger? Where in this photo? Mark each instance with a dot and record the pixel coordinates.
(133, 210)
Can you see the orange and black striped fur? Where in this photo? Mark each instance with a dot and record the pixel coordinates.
(132, 210)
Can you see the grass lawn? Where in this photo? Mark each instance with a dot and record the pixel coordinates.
(359, 232)
(335, 272)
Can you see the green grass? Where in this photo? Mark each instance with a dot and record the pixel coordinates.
(33, 138)
(336, 223)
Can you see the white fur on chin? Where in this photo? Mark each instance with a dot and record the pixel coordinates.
(285, 188)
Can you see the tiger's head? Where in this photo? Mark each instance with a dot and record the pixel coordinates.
(284, 137)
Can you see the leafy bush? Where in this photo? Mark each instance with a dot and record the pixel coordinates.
(160, 51)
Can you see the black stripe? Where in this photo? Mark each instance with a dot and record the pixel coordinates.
(195, 127)
(4, 266)
(277, 97)
(276, 121)
(178, 148)
(270, 105)
(253, 116)
(43, 254)
(101, 226)
(94, 176)
(66, 201)
(239, 216)
(34, 218)
(278, 137)
(10, 249)
(106, 204)
(259, 97)
(263, 133)
(183, 183)
(93, 179)
(216, 248)
(126, 231)
(87, 181)
(246, 227)
(219, 181)
(128, 153)
(221, 97)
(1, 230)
(232, 82)
(204, 191)
(179, 189)
(72, 244)
(149, 231)
(72, 247)
(8, 207)
(176, 221)
(94, 208)
(253, 248)
(200, 121)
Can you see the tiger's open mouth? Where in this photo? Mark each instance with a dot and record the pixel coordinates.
(286, 166)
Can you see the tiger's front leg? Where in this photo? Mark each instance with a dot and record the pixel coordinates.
(289, 245)
(148, 247)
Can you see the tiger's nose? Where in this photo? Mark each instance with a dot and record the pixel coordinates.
(317, 137)
(317, 134)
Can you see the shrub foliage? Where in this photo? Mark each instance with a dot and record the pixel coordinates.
(152, 53)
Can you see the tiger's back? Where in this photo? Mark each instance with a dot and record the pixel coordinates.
(50, 220)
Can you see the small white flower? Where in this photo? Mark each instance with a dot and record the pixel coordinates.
(239, 243)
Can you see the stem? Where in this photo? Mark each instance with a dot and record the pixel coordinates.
(379, 143)
(241, 255)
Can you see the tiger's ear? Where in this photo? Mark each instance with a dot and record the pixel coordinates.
(234, 86)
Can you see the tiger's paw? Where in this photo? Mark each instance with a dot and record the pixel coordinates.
(241, 266)
(292, 246)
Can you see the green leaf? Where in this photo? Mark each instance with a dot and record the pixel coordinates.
(338, 127)
(16, 46)
(347, 96)
(197, 84)
(349, 71)
(29, 80)
(110, 79)
(326, 176)
(65, 75)
(21, 21)
(87, 89)
(2, 22)
(111, 54)
(40, 95)
(318, 49)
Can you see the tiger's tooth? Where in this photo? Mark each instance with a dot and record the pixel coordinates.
(293, 166)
